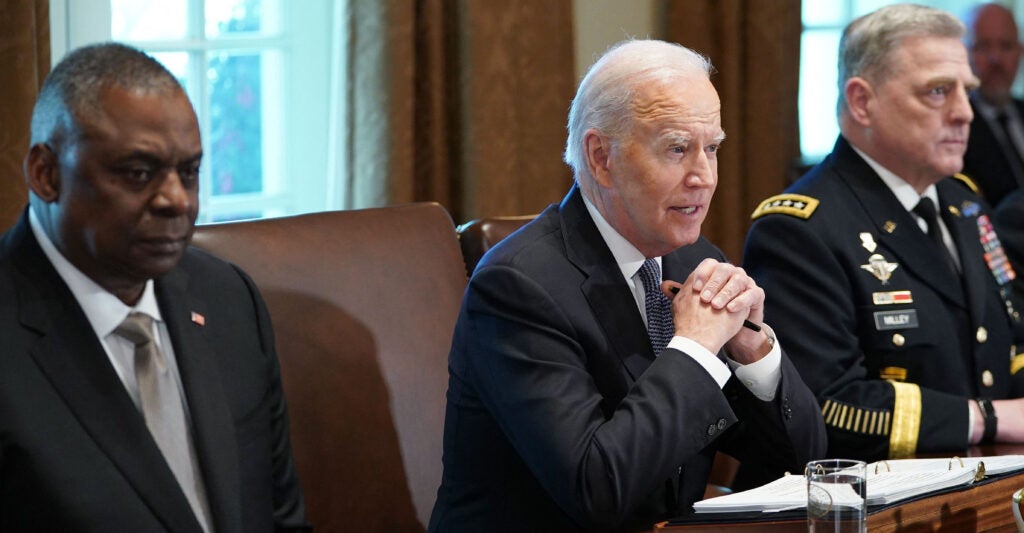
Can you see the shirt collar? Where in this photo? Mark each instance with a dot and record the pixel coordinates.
(627, 257)
(903, 191)
(103, 310)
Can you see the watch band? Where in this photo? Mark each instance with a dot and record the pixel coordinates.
(991, 420)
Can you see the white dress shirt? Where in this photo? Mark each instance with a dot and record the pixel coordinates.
(761, 377)
(105, 313)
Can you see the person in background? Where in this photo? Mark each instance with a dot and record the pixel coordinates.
(996, 143)
(139, 385)
(883, 275)
(583, 393)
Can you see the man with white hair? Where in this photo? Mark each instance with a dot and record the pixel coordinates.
(884, 275)
(587, 390)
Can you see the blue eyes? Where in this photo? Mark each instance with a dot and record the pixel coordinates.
(711, 149)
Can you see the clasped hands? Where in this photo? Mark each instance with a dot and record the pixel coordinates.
(711, 305)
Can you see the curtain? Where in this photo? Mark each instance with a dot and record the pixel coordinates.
(461, 102)
(25, 56)
(755, 47)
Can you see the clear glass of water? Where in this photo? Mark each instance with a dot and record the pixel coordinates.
(836, 492)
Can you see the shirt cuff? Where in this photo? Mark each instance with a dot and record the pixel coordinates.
(970, 422)
(718, 370)
(762, 377)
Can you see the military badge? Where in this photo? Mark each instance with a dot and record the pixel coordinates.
(892, 297)
(881, 268)
(969, 208)
(868, 242)
(995, 257)
(796, 205)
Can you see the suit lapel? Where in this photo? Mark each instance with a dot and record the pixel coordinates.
(75, 363)
(212, 422)
(964, 230)
(605, 290)
(896, 229)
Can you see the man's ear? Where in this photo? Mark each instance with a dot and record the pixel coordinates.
(859, 95)
(42, 172)
(598, 148)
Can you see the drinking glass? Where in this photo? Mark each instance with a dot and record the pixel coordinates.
(836, 491)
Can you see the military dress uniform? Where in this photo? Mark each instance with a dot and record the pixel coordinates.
(891, 340)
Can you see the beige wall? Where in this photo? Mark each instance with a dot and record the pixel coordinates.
(599, 24)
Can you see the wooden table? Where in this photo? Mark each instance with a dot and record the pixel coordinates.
(981, 507)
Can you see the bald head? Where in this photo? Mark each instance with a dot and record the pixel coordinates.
(605, 98)
(994, 50)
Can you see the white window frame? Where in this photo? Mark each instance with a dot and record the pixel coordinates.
(301, 111)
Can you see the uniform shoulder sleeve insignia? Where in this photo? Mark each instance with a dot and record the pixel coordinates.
(796, 205)
(968, 182)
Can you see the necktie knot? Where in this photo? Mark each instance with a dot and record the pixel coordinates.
(657, 307)
(137, 328)
(925, 209)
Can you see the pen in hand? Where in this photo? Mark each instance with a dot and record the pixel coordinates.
(746, 323)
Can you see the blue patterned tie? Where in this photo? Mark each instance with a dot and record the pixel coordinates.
(657, 306)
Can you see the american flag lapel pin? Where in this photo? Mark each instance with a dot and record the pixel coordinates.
(198, 318)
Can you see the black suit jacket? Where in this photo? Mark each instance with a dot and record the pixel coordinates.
(987, 160)
(560, 417)
(852, 333)
(75, 454)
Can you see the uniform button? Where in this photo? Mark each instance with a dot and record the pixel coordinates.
(987, 379)
(721, 423)
(712, 429)
(1016, 316)
(982, 335)
(898, 339)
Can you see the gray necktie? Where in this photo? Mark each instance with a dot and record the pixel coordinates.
(657, 307)
(164, 412)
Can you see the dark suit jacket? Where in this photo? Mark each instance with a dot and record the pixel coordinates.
(987, 161)
(75, 454)
(1009, 219)
(561, 418)
(850, 332)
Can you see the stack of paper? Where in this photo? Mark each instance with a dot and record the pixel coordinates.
(887, 482)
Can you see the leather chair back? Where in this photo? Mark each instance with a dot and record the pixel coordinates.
(363, 304)
(478, 236)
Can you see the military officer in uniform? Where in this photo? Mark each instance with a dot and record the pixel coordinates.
(899, 319)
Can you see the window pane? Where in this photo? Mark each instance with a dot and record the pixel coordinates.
(863, 7)
(177, 63)
(823, 13)
(236, 160)
(148, 20)
(230, 17)
(818, 92)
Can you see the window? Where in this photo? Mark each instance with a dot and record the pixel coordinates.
(819, 51)
(259, 73)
